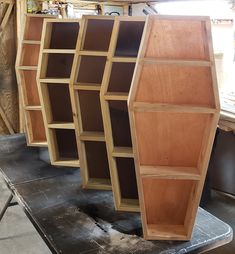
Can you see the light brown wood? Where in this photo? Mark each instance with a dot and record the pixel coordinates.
(174, 110)
(26, 69)
(119, 69)
(55, 62)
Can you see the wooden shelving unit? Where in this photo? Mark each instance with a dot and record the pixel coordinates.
(55, 65)
(119, 69)
(26, 69)
(174, 111)
(87, 75)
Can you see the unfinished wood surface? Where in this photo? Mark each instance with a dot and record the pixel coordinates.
(174, 110)
(119, 69)
(87, 75)
(54, 70)
(26, 69)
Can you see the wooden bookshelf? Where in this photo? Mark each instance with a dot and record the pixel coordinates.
(87, 75)
(174, 111)
(55, 64)
(26, 69)
(119, 69)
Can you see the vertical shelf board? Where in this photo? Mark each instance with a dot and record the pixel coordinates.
(26, 68)
(174, 110)
(119, 70)
(86, 80)
(57, 49)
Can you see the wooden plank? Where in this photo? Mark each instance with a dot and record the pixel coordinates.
(6, 121)
(173, 119)
(6, 16)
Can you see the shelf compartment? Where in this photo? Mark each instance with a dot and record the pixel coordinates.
(29, 87)
(168, 215)
(35, 126)
(29, 55)
(123, 152)
(127, 178)
(63, 35)
(64, 141)
(96, 159)
(120, 123)
(91, 69)
(121, 77)
(33, 28)
(172, 139)
(90, 108)
(129, 37)
(59, 102)
(176, 84)
(58, 65)
(171, 172)
(94, 29)
(173, 38)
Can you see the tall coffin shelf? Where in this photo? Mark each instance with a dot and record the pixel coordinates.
(26, 69)
(55, 65)
(87, 74)
(119, 69)
(174, 110)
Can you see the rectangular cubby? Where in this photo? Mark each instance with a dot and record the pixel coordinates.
(29, 87)
(90, 111)
(127, 178)
(167, 217)
(91, 69)
(98, 34)
(129, 37)
(176, 84)
(96, 159)
(63, 35)
(120, 123)
(33, 28)
(121, 77)
(36, 127)
(60, 103)
(66, 144)
(58, 65)
(30, 54)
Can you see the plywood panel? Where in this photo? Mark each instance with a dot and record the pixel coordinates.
(30, 55)
(176, 84)
(33, 28)
(37, 126)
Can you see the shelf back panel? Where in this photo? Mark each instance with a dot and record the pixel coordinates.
(37, 128)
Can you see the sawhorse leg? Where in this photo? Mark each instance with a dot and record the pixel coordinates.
(7, 204)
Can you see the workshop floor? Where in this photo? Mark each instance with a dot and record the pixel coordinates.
(18, 236)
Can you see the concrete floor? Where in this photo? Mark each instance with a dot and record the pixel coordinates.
(18, 236)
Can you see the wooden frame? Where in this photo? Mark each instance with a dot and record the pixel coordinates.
(55, 64)
(87, 74)
(174, 111)
(116, 83)
(26, 69)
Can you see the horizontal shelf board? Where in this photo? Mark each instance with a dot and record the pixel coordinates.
(33, 107)
(92, 53)
(37, 143)
(123, 152)
(66, 162)
(115, 96)
(98, 183)
(59, 51)
(87, 87)
(123, 59)
(131, 205)
(41, 15)
(61, 126)
(31, 42)
(147, 60)
(92, 136)
(170, 172)
(55, 80)
(27, 68)
(157, 107)
(164, 232)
